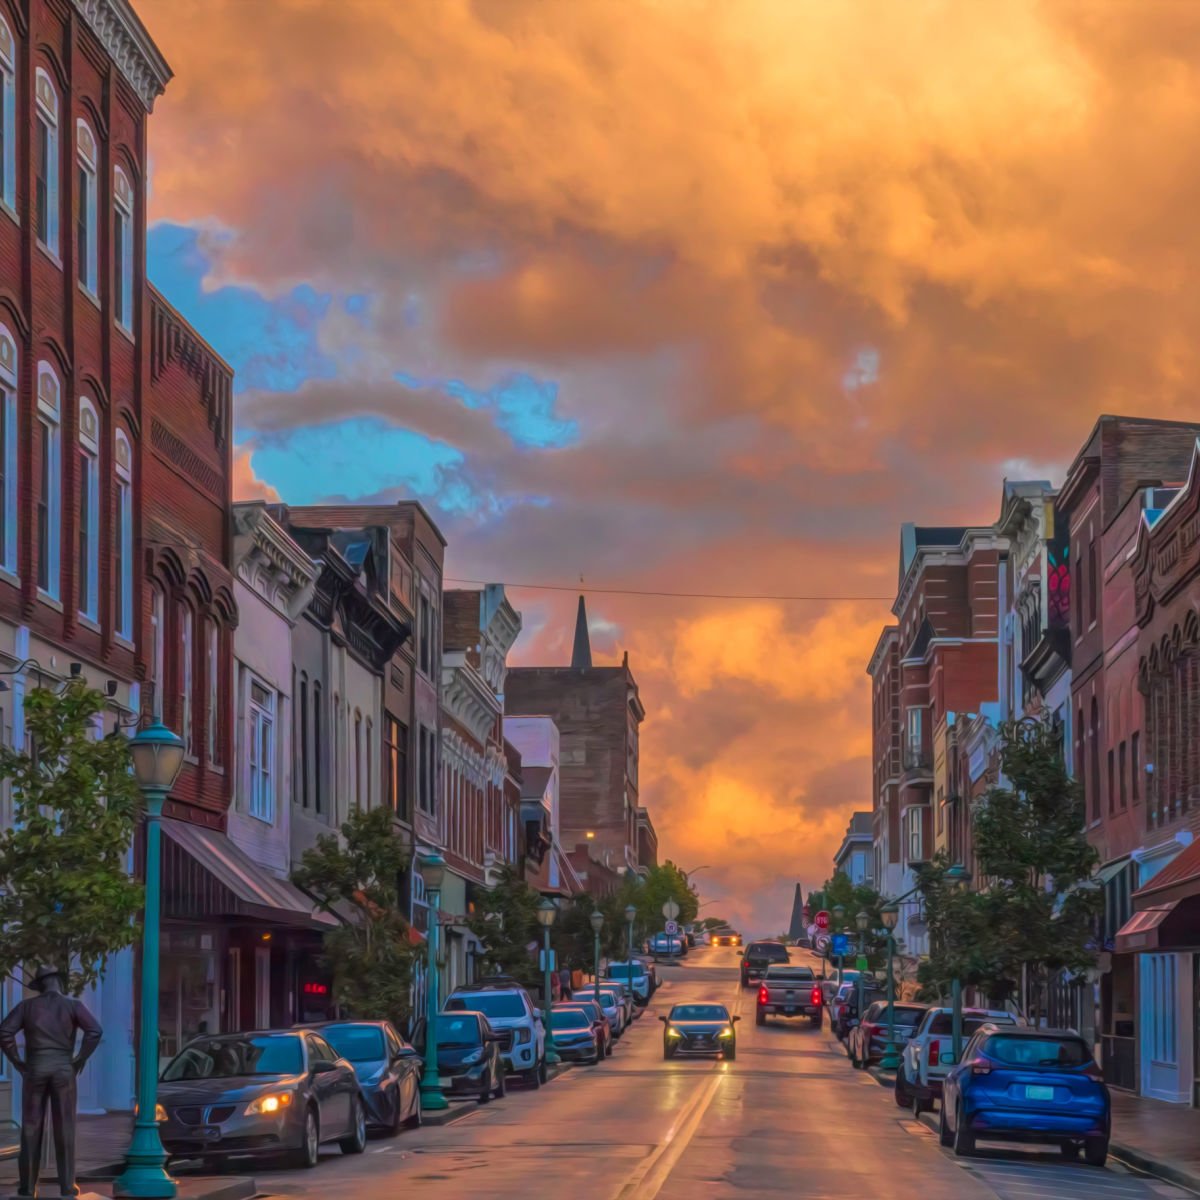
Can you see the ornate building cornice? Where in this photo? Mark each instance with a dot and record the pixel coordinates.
(467, 697)
(268, 561)
(120, 32)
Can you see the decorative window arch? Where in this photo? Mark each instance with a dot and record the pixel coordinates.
(45, 161)
(8, 116)
(8, 450)
(123, 204)
(123, 537)
(88, 561)
(49, 488)
(86, 252)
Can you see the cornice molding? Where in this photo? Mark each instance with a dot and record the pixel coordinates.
(131, 48)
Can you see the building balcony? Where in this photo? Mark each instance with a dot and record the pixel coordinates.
(916, 767)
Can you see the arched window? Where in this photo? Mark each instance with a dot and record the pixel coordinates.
(8, 116)
(88, 564)
(318, 802)
(158, 646)
(186, 667)
(123, 250)
(302, 745)
(8, 451)
(123, 538)
(85, 207)
(49, 489)
(46, 163)
(358, 760)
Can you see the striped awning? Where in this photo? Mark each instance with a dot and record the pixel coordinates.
(1141, 931)
(205, 874)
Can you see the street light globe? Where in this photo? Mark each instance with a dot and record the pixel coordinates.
(157, 755)
(433, 871)
(957, 877)
(839, 913)
(597, 920)
(889, 914)
(630, 913)
(862, 920)
(546, 912)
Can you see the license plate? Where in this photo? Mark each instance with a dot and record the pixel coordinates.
(790, 996)
(210, 1133)
(445, 1081)
(787, 1012)
(1037, 1092)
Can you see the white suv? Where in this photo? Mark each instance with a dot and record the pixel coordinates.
(927, 1058)
(512, 1014)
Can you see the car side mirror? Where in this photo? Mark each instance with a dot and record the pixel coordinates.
(406, 1052)
(663, 1020)
(734, 1020)
(323, 1067)
(948, 1059)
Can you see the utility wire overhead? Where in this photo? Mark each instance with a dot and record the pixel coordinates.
(580, 587)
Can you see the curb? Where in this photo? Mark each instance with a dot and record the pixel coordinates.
(1159, 1168)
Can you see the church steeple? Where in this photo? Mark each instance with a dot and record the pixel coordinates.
(581, 655)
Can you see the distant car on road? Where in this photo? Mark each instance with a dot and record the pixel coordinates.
(667, 945)
(868, 1039)
(699, 1029)
(758, 956)
(1027, 1085)
(788, 991)
(726, 937)
(631, 974)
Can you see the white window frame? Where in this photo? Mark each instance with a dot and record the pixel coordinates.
(89, 490)
(8, 118)
(123, 537)
(8, 450)
(123, 218)
(49, 406)
(86, 157)
(915, 836)
(260, 742)
(47, 115)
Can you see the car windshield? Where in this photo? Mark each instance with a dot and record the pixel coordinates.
(621, 971)
(569, 1018)
(1037, 1051)
(906, 1016)
(457, 1031)
(772, 951)
(944, 1022)
(358, 1043)
(791, 974)
(228, 1058)
(491, 1004)
(589, 1010)
(699, 1012)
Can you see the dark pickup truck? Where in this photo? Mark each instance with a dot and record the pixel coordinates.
(788, 991)
(758, 957)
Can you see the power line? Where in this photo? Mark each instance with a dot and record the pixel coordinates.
(580, 587)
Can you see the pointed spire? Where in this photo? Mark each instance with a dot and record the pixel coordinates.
(581, 655)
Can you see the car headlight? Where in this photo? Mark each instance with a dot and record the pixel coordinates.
(674, 1033)
(522, 1036)
(266, 1105)
(160, 1113)
(727, 1032)
(473, 1057)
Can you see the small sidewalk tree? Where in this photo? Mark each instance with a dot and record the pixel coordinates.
(66, 896)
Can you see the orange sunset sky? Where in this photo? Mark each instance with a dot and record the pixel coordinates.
(692, 296)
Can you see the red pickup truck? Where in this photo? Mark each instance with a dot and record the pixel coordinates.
(788, 991)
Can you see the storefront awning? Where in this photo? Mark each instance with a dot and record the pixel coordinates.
(1143, 930)
(204, 874)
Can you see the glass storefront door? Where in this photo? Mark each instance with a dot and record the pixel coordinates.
(188, 989)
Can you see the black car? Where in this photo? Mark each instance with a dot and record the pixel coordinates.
(388, 1069)
(758, 957)
(699, 1029)
(595, 1014)
(844, 1010)
(576, 1039)
(468, 1056)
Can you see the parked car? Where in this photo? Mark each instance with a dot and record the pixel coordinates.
(610, 1002)
(868, 1039)
(699, 1029)
(844, 1013)
(830, 985)
(511, 1013)
(633, 974)
(758, 956)
(788, 991)
(388, 1069)
(468, 1056)
(245, 1094)
(927, 1057)
(1027, 1085)
(666, 945)
(628, 1006)
(600, 1023)
(575, 1036)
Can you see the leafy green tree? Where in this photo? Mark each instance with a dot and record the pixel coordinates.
(1029, 916)
(370, 957)
(66, 897)
(854, 898)
(507, 926)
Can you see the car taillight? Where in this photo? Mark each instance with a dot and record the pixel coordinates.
(763, 995)
(816, 997)
(934, 1047)
(980, 1066)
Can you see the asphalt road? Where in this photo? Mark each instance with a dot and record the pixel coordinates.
(787, 1118)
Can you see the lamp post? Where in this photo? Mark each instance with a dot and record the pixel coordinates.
(597, 920)
(957, 877)
(839, 915)
(157, 755)
(433, 871)
(630, 914)
(546, 913)
(889, 914)
(862, 920)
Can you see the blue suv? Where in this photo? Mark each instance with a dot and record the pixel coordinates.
(1027, 1085)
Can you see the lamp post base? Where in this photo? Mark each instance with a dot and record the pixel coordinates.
(891, 1058)
(432, 1097)
(145, 1176)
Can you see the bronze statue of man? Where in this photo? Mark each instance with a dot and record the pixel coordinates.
(50, 1021)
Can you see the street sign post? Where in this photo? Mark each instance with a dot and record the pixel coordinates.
(671, 928)
(821, 920)
(670, 910)
(839, 945)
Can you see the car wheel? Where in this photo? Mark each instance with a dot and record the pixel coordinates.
(1095, 1151)
(903, 1096)
(944, 1135)
(1070, 1151)
(485, 1093)
(608, 1049)
(309, 1150)
(501, 1082)
(815, 1022)
(397, 1113)
(760, 1018)
(533, 1077)
(920, 1105)
(730, 1055)
(964, 1139)
(668, 1052)
(543, 1071)
(356, 1141)
(415, 1120)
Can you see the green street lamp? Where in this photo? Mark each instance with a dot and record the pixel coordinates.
(862, 919)
(546, 913)
(597, 920)
(157, 755)
(630, 915)
(889, 914)
(433, 871)
(957, 878)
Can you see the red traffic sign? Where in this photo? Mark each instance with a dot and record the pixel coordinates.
(821, 921)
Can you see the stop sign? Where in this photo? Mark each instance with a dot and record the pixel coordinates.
(821, 920)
